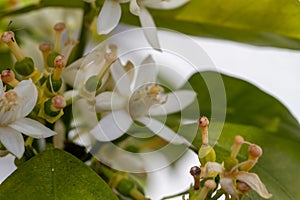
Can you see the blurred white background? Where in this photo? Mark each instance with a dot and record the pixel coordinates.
(276, 71)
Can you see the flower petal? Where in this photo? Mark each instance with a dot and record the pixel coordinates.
(163, 131)
(12, 140)
(112, 126)
(109, 16)
(134, 7)
(110, 101)
(212, 168)
(32, 128)
(27, 94)
(176, 101)
(149, 28)
(146, 72)
(121, 78)
(165, 5)
(227, 185)
(255, 183)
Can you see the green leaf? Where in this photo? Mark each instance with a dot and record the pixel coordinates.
(55, 174)
(265, 22)
(260, 119)
(62, 3)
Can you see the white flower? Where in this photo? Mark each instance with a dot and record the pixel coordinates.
(110, 15)
(228, 179)
(15, 105)
(135, 101)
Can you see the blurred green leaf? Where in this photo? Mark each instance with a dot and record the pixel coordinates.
(265, 22)
(55, 174)
(260, 119)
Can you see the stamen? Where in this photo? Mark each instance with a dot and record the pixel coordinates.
(238, 141)
(8, 76)
(58, 102)
(203, 123)
(45, 48)
(195, 172)
(254, 152)
(59, 28)
(9, 38)
(208, 186)
(59, 64)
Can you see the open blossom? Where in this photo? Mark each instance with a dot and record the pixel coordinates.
(110, 15)
(15, 105)
(228, 179)
(137, 101)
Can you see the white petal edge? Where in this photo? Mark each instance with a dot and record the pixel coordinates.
(227, 185)
(110, 101)
(165, 5)
(163, 131)
(27, 94)
(112, 126)
(109, 17)
(121, 78)
(176, 101)
(149, 28)
(211, 168)
(146, 72)
(134, 7)
(255, 183)
(32, 128)
(12, 140)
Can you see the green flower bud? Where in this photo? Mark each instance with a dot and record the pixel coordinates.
(48, 109)
(51, 57)
(53, 85)
(206, 154)
(125, 186)
(93, 84)
(25, 67)
(230, 162)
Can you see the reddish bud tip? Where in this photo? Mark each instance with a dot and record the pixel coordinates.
(238, 140)
(60, 26)
(45, 47)
(59, 102)
(255, 150)
(8, 36)
(60, 62)
(203, 121)
(195, 171)
(7, 75)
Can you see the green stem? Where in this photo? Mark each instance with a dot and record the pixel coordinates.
(88, 17)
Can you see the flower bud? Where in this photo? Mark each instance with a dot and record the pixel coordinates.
(52, 85)
(206, 154)
(51, 57)
(93, 84)
(25, 67)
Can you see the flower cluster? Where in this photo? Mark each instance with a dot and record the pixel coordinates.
(233, 176)
(37, 94)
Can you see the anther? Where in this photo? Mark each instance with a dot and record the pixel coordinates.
(8, 37)
(59, 28)
(8, 76)
(195, 172)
